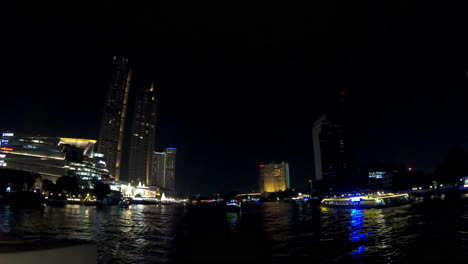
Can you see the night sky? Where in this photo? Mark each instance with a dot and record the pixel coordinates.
(241, 84)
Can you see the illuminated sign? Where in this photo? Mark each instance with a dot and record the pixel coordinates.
(2, 156)
(355, 199)
(98, 155)
(3, 163)
(8, 134)
(7, 149)
(4, 141)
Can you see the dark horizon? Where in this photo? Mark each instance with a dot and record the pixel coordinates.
(236, 94)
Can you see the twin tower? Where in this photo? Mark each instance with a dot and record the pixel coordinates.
(143, 163)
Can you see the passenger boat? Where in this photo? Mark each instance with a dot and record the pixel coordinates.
(233, 206)
(367, 201)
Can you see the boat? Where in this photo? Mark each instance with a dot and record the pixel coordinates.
(90, 201)
(58, 200)
(124, 203)
(367, 201)
(233, 206)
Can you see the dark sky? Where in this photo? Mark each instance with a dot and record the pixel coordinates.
(241, 84)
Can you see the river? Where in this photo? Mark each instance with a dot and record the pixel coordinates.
(278, 232)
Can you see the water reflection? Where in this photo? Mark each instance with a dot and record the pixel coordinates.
(356, 226)
(156, 234)
(233, 221)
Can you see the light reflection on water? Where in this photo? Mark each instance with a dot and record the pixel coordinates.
(160, 234)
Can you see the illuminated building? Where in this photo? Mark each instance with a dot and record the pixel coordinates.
(332, 154)
(142, 137)
(113, 120)
(380, 180)
(273, 177)
(170, 169)
(158, 176)
(52, 157)
(163, 173)
(89, 168)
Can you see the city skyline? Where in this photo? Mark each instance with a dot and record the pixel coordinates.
(228, 108)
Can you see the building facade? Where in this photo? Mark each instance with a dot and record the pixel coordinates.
(158, 176)
(164, 169)
(332, 151)
(113, 120)
(380, 180)
(273, 177)
(142, 140)
(170, 169)
(52, 157)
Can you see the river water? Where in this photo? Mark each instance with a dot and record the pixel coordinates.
(276, 232)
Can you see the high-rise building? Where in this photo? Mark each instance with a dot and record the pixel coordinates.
(143, 137)
(332, 154)
(113, 121)
(158, 176)
(273, 177)
(163, 172)
(170, 169)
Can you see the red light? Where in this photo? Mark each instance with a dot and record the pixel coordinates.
(261, 166)
(236, 201)
(410, 169)
(5, 148)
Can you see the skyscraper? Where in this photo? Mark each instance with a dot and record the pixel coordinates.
(332, 154)
(170, 169)
(163, 172)
(113, 121)
(273, 177)
(158, 176)
(143, 137)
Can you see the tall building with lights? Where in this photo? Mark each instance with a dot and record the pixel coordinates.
(142, 140)
(273, 177)
(158, 175)
(164, 165)
(170, 168)
(112, 128)
(332, 153)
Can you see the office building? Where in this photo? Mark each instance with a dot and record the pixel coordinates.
(113, 120)
(170, 169)
(273, 177)
(142, 140)
(332, 153)
(164, 164)
(158, 176)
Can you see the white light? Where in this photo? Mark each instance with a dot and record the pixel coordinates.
(8, 134)
(441, 185)
(420, 188)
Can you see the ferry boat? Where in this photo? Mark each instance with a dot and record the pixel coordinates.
(367, 201)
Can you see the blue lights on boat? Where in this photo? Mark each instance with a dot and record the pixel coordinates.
(355, 199)
(171, 148)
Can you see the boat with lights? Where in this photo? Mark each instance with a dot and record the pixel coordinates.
(233, 206)
(367, 201)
